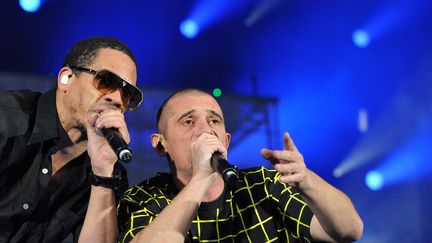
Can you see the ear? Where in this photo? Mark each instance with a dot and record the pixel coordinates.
(157, 141)
(63, 78)
(228, 139)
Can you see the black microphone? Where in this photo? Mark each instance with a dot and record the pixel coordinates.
(118, 144)
(228, 171)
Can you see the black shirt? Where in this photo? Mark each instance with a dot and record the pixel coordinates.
(33, 206)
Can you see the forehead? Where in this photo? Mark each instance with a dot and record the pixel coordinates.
(117, 62)
(186, 102)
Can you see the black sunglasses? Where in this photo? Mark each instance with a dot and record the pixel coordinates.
(106, 81)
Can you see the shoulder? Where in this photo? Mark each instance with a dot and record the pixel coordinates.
(151, 195)
(260, 173)
(17, 108)
(18, 99)
(264, 177)
(157, 185)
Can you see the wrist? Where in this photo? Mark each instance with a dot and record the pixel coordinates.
(106, 171)
(312, 187)
(203, 181)
(112, 182)
(203, 174)
(207, 189)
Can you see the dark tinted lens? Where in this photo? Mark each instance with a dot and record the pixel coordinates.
(134, 95)
(109, 82)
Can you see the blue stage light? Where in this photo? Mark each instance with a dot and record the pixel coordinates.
(206, 13)
(411, 161)
(189, 28)
(374, 180)
(361, 38)
(30, 6)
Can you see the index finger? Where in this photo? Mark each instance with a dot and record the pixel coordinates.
(289, 143)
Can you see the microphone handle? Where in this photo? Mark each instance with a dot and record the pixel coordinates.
(229, 172)
(117, 143)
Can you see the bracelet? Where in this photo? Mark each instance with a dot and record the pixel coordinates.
(108, 182)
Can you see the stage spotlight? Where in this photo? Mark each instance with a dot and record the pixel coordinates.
(189, 28)
(217, 92)
(206, 13)
(406, 163)
(30, 6)
(411, 161)
(361, 38)
(363, 120)
(263, 8)
(374, 180)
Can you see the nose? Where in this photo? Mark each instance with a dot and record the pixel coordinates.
(203, 126)
(115, 98)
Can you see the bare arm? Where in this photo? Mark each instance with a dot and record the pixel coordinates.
(100, 223)
(335, 218)
(172, 224)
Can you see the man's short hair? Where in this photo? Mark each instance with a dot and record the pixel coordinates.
(83, 53)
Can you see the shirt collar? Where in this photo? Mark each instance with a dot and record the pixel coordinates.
(46, 122)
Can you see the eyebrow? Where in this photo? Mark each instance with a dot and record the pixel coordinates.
(185, 115)
(193, 110)
(216, 114)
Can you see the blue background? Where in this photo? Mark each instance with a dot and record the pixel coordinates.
(299, 54)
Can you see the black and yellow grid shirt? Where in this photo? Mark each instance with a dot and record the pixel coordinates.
(260, 209)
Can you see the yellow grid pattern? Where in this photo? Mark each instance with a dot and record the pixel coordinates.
(261, 209)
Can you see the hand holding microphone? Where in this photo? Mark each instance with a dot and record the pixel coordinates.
(106, 123)
(117, 143)
(205, 143)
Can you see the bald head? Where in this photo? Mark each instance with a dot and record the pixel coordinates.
(165, 110)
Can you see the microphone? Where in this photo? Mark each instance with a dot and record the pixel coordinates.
(229, 172)
(117, 143)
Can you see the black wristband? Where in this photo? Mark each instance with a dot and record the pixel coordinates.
(108, 182)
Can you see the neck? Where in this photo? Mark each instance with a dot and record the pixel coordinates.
(72, 128)
(73, 140)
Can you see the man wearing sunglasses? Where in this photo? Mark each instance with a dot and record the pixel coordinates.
(58, 174)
